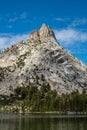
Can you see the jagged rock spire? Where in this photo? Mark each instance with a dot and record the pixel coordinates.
(44, 32)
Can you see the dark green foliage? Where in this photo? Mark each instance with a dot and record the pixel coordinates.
(24, 92)
(48, 100)
(45, 100)
(21, 59)
(1, 74)
(5, 100)
(21, 92)
(17, 90)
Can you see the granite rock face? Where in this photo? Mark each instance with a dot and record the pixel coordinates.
(41, 60)
(42, 34)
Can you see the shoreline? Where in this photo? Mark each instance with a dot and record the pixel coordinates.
(47, 113)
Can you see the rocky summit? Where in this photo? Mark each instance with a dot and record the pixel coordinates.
(41, 60)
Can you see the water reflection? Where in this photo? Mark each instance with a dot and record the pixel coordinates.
(8, 122)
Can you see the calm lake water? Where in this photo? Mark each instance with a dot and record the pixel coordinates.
(42, 122)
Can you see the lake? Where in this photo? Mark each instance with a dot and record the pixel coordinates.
(42, 122)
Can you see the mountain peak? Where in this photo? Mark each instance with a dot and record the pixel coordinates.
(41, 61)
(44, 32)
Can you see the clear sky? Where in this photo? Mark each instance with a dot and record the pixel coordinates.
(68, 19)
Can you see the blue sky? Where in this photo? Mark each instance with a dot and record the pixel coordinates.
(68, 19)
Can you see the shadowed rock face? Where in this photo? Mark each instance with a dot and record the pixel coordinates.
(41, 60)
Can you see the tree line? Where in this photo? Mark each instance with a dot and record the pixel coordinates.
(46, 100)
